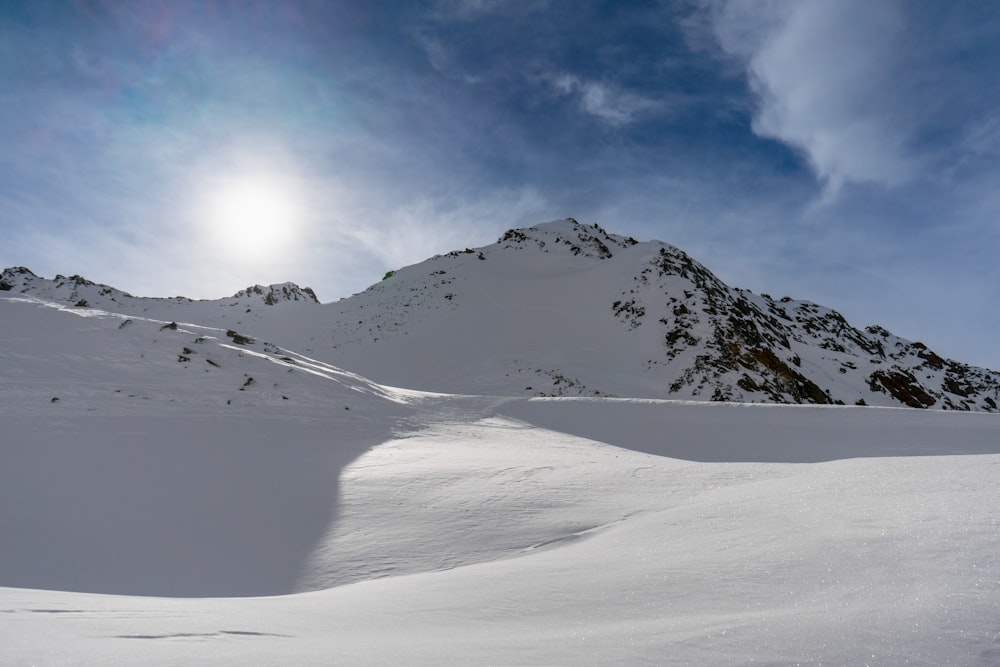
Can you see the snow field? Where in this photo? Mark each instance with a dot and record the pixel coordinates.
(616, 556)
(316, 517)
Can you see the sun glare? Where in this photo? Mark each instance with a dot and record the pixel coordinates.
(253, 217)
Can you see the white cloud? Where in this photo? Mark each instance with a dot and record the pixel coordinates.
(827, 77)
(605, 101)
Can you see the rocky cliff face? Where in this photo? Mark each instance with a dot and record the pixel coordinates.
(736, 345)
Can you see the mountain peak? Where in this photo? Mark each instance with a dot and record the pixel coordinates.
(15, 276)
(74, 289)
(567, 235)
(611, 316)
(277, 293)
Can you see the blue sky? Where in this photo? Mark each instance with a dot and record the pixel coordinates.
(844, 152)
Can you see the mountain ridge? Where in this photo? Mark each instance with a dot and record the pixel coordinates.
(566, 309)
(62, 288)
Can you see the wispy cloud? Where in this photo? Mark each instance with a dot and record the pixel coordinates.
(602, 100)
(820, 72)
(855, 86)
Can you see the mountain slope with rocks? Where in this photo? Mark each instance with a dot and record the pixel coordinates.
(184, 479)
(567, 309)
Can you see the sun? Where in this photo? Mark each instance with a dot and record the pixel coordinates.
(253, 216)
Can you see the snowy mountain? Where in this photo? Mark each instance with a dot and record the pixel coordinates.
(574, 310)
(197, 482)
(83, 293)
(566, 309)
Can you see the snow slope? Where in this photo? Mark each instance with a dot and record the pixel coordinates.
(512, 544)
(425, 528)
(145, 457)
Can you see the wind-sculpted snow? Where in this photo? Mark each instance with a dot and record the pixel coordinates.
(728, 432)
(482, 539)
(157, 458)
(190, 459)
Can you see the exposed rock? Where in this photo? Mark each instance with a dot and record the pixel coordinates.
(274, 294)
(238, 338)
(903, 386)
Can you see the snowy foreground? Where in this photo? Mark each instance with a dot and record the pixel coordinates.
(169, 512)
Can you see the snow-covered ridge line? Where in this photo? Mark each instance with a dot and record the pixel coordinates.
(133, 342)
(568, 309)
(84, 293)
